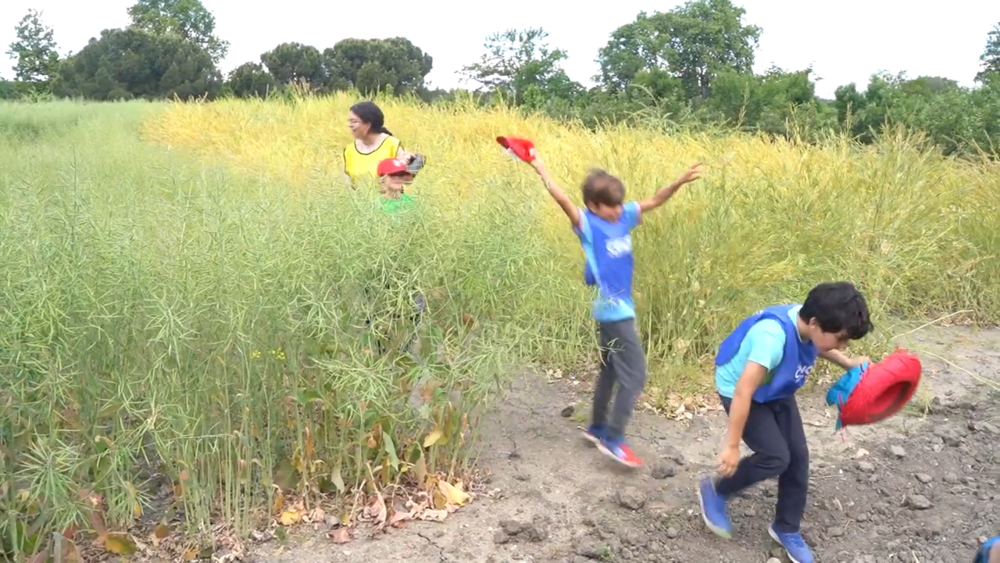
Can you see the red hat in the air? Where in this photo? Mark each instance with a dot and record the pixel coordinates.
(520, 148)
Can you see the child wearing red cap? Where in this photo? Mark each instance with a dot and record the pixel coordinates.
(394, 175)
(604, 227)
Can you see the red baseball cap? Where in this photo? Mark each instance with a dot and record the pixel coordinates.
(391, 166)
(523, 149)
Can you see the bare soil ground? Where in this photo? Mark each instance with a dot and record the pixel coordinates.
(923, 489)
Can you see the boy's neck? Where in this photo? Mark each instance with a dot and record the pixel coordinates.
(803, 329)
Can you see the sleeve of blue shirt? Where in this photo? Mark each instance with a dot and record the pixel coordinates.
(631, 214)
(766, 343)
(584, 230)
(763, 344)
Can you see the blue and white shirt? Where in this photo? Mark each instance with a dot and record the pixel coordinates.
(608, 250)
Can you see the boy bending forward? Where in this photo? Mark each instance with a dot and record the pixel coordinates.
(759, 368)
(604, 228)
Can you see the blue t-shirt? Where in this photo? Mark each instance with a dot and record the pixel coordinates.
(764, 344)
(983, 555)
(608, 249)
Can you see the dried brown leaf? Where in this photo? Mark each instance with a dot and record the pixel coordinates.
(398, 518)
(315, 515)
(433, 515)
(341, 534)
(376, 511)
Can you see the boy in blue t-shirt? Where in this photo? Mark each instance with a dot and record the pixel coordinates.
(759, 368)
(989, 552)
(604, 227)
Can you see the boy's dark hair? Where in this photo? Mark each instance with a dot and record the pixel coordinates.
(600, 187)
(838, 306)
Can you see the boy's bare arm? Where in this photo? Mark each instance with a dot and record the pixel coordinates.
(843, 360)
(994, 554)
(751, 378)
(661, 196)
(557, 194)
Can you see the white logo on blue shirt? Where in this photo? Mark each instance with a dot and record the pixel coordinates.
(618, 247)
(802, 372)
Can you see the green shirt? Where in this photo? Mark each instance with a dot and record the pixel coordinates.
(404, 203)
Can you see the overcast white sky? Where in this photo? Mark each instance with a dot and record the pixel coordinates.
(844, 41)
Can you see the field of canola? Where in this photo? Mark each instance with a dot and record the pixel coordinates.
(186, 285)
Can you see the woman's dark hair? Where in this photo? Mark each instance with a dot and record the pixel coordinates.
(370, 113)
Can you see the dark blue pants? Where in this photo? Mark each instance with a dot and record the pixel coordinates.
(775, 433)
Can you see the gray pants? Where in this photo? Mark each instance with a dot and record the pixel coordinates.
(623, 361)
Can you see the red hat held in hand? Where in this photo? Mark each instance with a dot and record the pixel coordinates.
(519, 148)
(391, 166)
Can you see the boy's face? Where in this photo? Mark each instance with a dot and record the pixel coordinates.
(827, 341)
(610, 213)
(393, 184)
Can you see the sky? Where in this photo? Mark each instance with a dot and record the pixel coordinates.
(845, 41)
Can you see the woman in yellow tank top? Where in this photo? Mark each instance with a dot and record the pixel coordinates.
(372, 144)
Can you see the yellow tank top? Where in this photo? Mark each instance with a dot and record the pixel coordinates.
(359, 165)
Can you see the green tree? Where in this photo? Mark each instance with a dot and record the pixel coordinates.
(295, 62)
(990, 58)
(377, 65)
(767, 102)
(250, 80)
(693, 43)
(519, 65)
(864, 113)
(35, 51)
(188, 19)
(131, 63)
(8, 90)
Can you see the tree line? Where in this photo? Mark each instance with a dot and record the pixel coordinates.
(688, 67)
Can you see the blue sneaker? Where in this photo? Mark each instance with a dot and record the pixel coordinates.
(594, 434)
(713, 509)
(619, 451)
(796, 548)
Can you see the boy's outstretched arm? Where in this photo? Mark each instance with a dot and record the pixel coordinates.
(661, 197)
(843, 360)
(751, 378)
(557, 194)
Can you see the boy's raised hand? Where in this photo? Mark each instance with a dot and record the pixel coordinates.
(690, 175)
(537, 163)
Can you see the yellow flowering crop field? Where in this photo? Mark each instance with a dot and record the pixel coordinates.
(193, 300)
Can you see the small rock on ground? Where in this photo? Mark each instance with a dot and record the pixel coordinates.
(918, 502)
(630, 498)
(663, 471)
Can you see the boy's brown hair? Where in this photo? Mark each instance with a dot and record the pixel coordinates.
(601, 187)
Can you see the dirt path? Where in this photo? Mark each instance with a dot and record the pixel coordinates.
(561, 501)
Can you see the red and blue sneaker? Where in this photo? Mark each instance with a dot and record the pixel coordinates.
(594, 434)
(619, 451)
